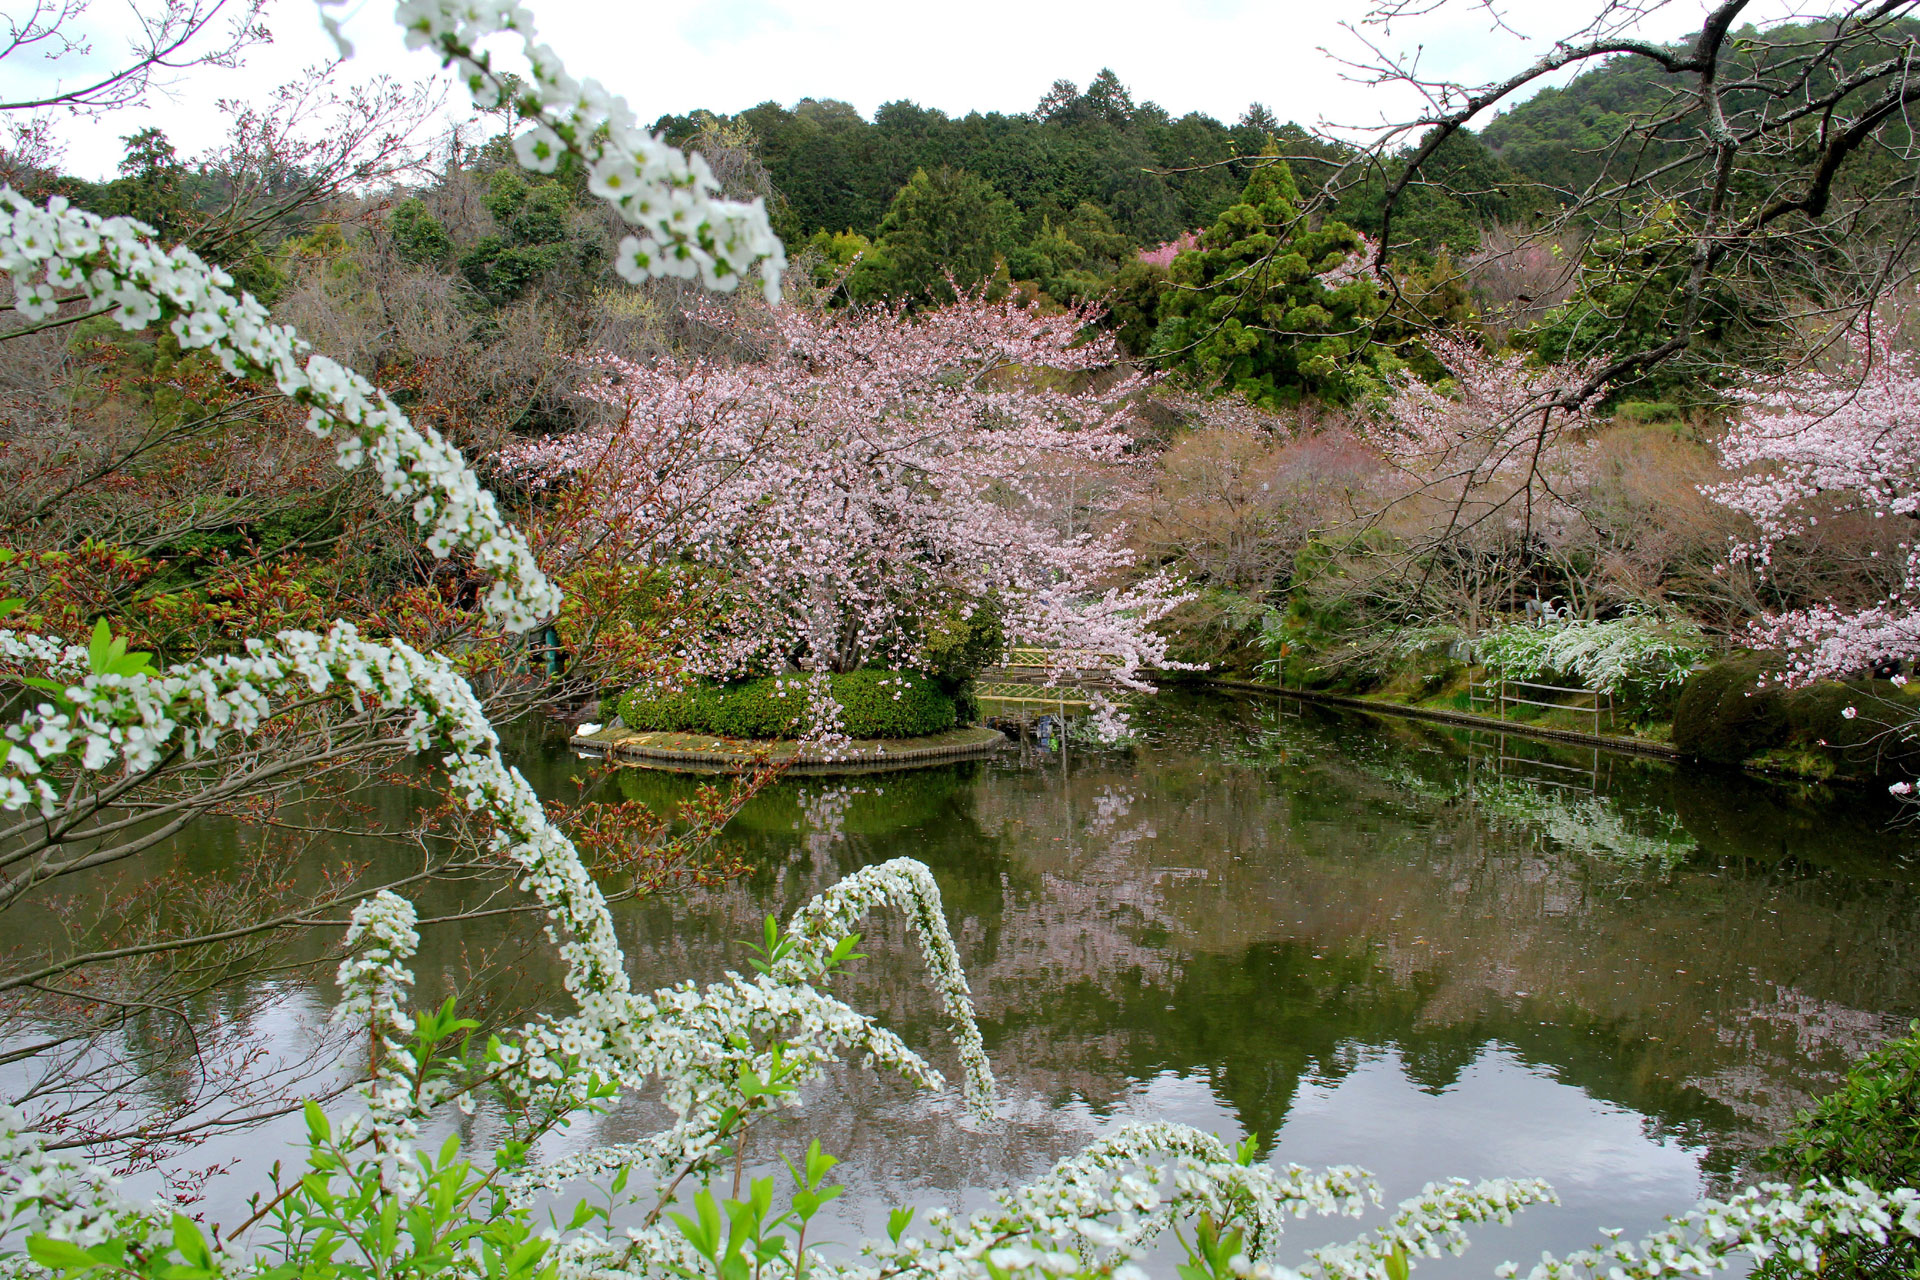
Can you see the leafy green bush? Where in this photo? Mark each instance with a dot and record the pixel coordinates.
(1736, 711)
(1726, 714)
(1869, 1129)
(891, 704)
(417, 234)
(874, 704)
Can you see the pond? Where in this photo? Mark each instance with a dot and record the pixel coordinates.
(1360, 940)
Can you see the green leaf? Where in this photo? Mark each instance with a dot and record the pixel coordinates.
(191, 1245)
(897, 1223)
(1398, 1264)
(318, 1127)
(59, 1255)
(100, 651)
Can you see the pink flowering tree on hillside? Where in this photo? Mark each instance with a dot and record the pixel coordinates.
(1492, 418)
(871, 476)
(1490, 462)
(1833, 445)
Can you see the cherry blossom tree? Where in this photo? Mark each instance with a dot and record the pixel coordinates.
(1830, 444)
(1492, 416)
(873, 472)
(1490, 460)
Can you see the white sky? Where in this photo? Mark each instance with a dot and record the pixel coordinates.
(1214, 56)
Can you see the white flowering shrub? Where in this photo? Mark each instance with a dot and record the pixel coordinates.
(1634, 656)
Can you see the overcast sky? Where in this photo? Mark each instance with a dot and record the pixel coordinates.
(1213, 56)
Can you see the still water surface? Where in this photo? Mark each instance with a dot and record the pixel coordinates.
(1361, 940)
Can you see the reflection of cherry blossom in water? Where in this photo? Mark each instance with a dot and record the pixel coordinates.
(824, 815)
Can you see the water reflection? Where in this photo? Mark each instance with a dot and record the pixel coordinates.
(1358, 940)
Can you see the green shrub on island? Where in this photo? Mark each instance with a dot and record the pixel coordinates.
(874, 704)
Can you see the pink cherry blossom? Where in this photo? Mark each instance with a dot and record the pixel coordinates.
(1164, 254)
(1826, 441)
(871, 471)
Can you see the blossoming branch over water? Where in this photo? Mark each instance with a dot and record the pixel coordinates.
(57, 253)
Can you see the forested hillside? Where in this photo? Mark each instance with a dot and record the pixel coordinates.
(1571, 137)
(1154, 176)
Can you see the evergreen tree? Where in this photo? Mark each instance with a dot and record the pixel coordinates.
(1270, 306)
(943, 223)
(150, 185)
(1074, 258)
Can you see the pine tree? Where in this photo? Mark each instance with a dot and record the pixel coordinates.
(1270, 305)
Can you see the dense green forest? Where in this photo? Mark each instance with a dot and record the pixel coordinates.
(1152, 175)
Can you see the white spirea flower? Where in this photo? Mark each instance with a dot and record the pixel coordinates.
(685, 227)
(124, 268)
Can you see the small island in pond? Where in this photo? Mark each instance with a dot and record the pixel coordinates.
(891, 719)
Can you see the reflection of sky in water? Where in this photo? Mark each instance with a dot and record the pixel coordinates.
(1501, 1118)
(1318, 928)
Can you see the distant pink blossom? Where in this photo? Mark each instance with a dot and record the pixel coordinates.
(1356, 265)
(1494, 428)
(1163, 255)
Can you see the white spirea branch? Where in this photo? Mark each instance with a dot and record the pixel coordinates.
(685, 228)
(909, 887)
(58, 253)
(374, 984)
(1773, 1219)
(1429, 1224)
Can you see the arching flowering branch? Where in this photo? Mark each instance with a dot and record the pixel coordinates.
(57, 253)
(671, 197)
(817, 928)
(1427, 1225)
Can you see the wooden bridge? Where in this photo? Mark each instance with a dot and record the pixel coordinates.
(1018, 686)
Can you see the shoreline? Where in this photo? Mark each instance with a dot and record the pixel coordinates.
(705, 753)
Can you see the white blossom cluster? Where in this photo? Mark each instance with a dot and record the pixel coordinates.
(57, 253)
(46, 655)
(671, 198)
(1771, 1220)
(374, 984)
(1609, 657)
(54, 1194)
(1428, 1224)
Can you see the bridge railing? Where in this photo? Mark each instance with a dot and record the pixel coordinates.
(1022, 657)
